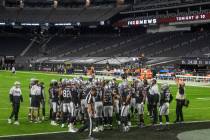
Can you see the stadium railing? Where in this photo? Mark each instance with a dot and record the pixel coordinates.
(200, 79)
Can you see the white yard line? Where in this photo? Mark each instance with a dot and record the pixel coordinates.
(44, 133)
(18, 118)
(58, 132)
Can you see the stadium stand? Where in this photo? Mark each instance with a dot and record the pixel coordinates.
(13, 44)
(169, 44)
(153, 4)
(37, 15)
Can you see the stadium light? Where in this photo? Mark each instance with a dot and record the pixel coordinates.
(2, 23)
(21, 4)
(119, 2)
(30, 24)
(3, 3)
(87, 3)
(102, 23)
(55, 4)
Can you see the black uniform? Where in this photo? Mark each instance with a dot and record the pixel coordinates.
(54, 96)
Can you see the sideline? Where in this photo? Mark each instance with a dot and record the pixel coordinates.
(44, 133)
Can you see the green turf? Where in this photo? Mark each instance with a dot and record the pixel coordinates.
(198, 110)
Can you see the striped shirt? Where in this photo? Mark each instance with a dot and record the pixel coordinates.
(89, 98)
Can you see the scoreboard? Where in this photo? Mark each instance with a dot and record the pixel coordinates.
(195, 61)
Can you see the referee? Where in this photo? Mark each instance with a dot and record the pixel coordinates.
(90, 108)
(90, 111)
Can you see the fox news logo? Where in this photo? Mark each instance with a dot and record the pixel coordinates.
(142, 22)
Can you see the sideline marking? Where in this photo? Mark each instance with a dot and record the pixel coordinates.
(44, 133)
(34, 134)
(208, 98)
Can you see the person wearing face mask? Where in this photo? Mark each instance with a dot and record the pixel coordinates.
(15, 96)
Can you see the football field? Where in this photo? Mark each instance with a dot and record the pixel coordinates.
(198, 110)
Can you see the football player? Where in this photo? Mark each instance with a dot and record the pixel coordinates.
(54, 96)
(148, 99)
(165, 99)
(116, 105)
(125, 102)
(35, 101)
(73, 104)
(108, 107)
(83, 104)
(98, 106)
(66, 98)
(140, 100)
(133, 99)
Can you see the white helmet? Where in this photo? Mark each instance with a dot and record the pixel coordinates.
(165, 86)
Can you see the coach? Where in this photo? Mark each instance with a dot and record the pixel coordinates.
(15, 95)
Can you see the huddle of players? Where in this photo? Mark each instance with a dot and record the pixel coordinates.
(68, 102)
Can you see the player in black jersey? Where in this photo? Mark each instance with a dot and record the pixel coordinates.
(165, 99)
(74, 102)
(133, 99)
(140, 99)
(108, 107)
(148, 98)
(116, 105)
(125, 94)
(54, 96)
(98, 106)
(83, 103)
(65, 98)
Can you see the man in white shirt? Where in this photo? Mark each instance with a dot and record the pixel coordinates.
(154, 95)
(15, 96)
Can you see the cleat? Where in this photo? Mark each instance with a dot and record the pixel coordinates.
(63, 125)
(96, 129)
(72, 130)
(101, 128)
(54, 123)
(16, 123)
(129, 123)
(9, 121)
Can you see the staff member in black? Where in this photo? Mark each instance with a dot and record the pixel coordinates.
(180, 100)
(15, 96)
